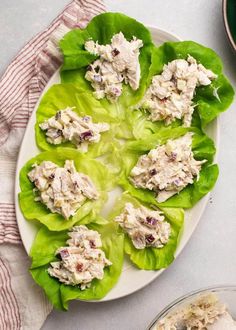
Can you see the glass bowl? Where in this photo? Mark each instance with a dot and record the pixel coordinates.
(226, 294)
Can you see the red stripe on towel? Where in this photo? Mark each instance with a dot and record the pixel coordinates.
(9, 310)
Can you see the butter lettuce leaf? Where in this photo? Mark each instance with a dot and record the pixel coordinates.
(210, 100)
(151, 258)
(101, 29)
(61, 96)
(203, 148)
(213, 99)
(99, 174)
(43, 252)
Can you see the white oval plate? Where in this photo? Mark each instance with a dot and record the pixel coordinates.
(131, 279)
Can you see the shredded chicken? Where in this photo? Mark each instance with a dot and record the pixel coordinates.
(82, 260)
(61, 189)
(205, 313)
(145, 227)
(168, 168)
(170, 95)
(66, 125)
(118, 63)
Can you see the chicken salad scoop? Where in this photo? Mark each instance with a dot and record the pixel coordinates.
(66, 125)
(151, 234)
(82, 260)
(62, 189)
(170, 95)
(168, 168)
(118, 63)
(145, 227)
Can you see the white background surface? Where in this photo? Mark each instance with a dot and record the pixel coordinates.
(209, 258)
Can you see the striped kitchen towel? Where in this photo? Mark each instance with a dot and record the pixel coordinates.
(22, 303)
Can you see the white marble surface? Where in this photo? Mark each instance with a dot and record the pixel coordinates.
(209, 258)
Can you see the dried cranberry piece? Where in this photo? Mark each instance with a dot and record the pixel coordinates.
(89, 68)
(151, 221)
(92, 244)
(86, 135)
(150, 238)
(79, 267)
(115, 52)
(163, 100)
(153, 171)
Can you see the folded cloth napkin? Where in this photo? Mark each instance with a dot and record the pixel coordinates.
(22, 303)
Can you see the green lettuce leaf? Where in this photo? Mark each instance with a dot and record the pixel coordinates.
(101, 29)
(152, 258)
(99, 174)
(43, 252)
(203, 148)
(210, 100)
(140, 126)
(61, 96)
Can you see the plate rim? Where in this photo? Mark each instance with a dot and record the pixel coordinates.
(204, 201)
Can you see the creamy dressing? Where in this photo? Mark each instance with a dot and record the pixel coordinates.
(118, 62)
(82, 260)
(168, 168)
(145, 227)
(66, 125)
(62, 189)
(170, 95)
(206, 313)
